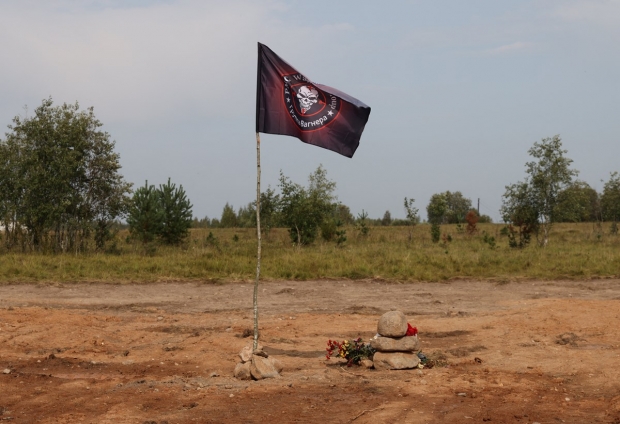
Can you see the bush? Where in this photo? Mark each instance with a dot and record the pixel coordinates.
(163, 213)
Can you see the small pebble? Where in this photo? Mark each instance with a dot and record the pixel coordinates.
(461, 394)
(6, 371)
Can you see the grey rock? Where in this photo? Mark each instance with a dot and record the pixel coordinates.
(262, 368)
(242, 371)
(401, 344)
(395, 360)
(392, 324)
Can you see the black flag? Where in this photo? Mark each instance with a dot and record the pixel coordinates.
(288, 103)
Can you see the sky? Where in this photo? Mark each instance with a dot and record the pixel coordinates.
(459, 91)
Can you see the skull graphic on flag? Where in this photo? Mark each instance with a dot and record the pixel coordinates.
(307, 97)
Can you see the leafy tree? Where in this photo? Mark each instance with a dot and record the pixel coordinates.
(411, 212)
(10, 193)
(60, 173)
(578, 202)
(302, 209)
(436, 209)
(448, 208)
(229, 217)
(146, 216)
(457, 207)
(269, 210)
(610, 199)
(548, 175)
(176, 213)
(519, 210)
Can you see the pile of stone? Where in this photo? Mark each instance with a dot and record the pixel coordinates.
(395, 350)
(256, 364)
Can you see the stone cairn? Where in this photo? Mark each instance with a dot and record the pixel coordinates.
(256, 365)
(395, 350)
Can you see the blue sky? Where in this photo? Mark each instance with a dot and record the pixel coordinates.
(459, 90)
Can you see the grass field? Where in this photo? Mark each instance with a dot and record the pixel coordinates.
(575, 251)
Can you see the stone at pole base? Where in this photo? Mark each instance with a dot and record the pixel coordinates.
(263, 368)
(256, 364)
(242, 371)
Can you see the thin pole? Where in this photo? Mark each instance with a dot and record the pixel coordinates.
(255, 345)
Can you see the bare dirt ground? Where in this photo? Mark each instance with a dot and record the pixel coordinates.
(546, 352)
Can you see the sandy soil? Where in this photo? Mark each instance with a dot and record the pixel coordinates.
(546, 352)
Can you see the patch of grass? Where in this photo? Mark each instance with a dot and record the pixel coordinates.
(574, 252)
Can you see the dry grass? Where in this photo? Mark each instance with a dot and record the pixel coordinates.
(576, 251)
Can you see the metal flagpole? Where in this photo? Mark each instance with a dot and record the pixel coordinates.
(255, 345)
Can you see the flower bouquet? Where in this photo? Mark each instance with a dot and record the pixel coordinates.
(353, 351)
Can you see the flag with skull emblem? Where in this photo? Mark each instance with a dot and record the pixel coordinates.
(289, 103)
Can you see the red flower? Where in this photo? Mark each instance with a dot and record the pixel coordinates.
(411, 331)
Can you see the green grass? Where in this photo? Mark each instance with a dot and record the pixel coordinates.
(575, 251)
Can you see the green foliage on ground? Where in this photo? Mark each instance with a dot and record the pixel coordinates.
(579, 251)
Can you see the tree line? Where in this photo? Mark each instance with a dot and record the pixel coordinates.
(551, 193)
(61, 190)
